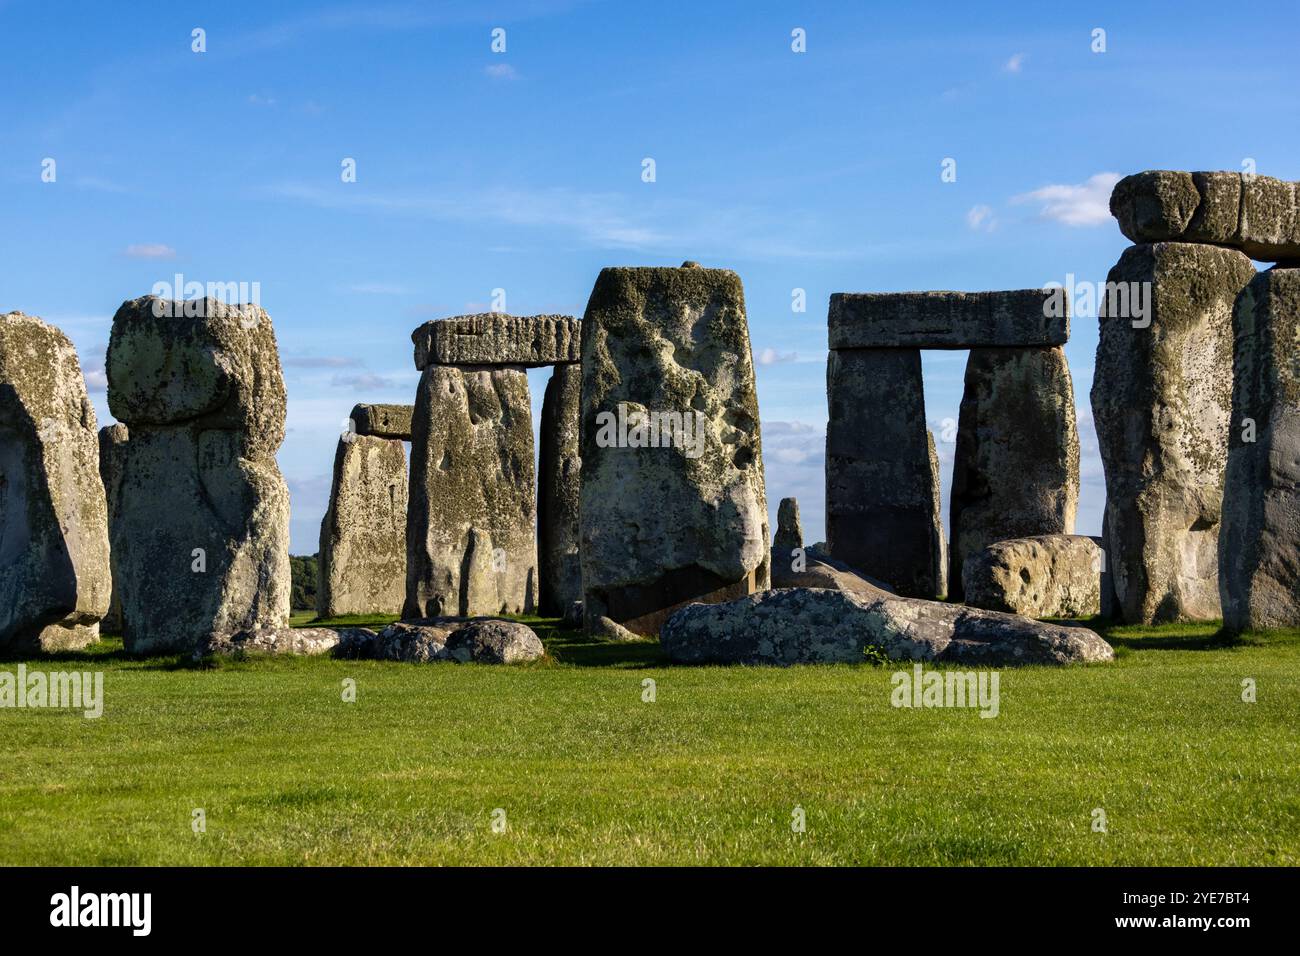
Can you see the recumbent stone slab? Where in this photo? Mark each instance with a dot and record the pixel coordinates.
(55, 581)
(1259, 544)
(673, 505)
(948, 320)
(494, 338)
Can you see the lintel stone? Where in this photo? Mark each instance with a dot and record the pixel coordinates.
(496, 339)
(949, 320)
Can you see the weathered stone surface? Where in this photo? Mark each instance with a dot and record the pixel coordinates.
(383, 421)
(112, 438)
(1161, 399)
(558, 491)
(814, 626)
(818, 570)
(1259, 544)
(949, 320)
(1016, 468)
(480, 640)
(201, 526)
(305, 641)
(55, 582)
(494, 338)
(363, 534)
(470, 535)
(789, 531)
(1051, 575)
(608, 630)
(1257, 214)
(669, 521)
(882, 477)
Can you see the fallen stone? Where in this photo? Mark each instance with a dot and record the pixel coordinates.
(1259, 543)
(558, 491)
(605, 629)
(664, 520)
(355, 643)
(112, 438)
(55, 582)
(201, 527)
(304, 641)
(494, 338)
(1256, 214)
(481, 640)
(949, 320)
(882, 473)
(1161, 399)
(362, 554)
(817, 570)
(1016, 467)
(470, 534)
(1052, 575)
(383, 421)
(416, 643)
(813, 626)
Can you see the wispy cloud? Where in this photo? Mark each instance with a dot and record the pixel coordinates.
(1014, 64)
(320, 361)
(150, 250)
(980, 218)
(501, 71)
(1084, 204)
(366, 382)
(771, 356)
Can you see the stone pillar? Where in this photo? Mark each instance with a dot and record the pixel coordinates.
(1259, 544)
(201, 531)
(363, 534)
(470, 532)
(882, 479)
(54, 565)
(558, 489)
(1016, 468)
(673, 505)
(1161, 398)
(112, 451)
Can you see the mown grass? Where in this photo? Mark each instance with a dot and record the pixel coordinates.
(710, 772)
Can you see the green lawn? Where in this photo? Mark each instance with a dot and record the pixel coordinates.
(587, 773)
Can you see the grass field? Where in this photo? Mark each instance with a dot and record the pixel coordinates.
(711, 772)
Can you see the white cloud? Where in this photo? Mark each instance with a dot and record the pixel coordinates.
(320, 361)
(773, 357)
(1015, 63)
(150, 250)
(1085, 204)
(980, 218)
(257, 99)
(501, 71)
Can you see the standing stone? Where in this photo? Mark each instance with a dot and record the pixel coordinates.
(112, 452)
(54, 566)
(558, 491)
(201, 530)
(789, 530)
(1161, 400)
(1259, 545)
(882, 476)
(470, 536)
(673, 505)
(363, 533)
(1016, 469)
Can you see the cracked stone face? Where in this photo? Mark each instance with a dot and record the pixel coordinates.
(669, 520)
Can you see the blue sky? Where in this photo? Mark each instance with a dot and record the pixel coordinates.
(522, 170)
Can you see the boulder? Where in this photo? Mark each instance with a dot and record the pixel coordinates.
(470, 532)
(201, 527)
(1161, 400)
(494, 338)
(814, 626)
(55, 582)
(1016, 468)
(673, 506)
(882, 473)
(480, 640)
(949, 320)
(1259, 543)
(363, 534)
(302, 641)
(1051, 575)
(558, 490)
(1256, 214)
(112, 439)
(383, 421)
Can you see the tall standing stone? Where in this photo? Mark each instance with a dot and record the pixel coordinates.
(470, 533)
(1016, 468)
(363, 534)
(1161, 400)
(558, 491)
(112, 452)
(54, 566)
(882, 476)
(201, 530)
(673, 505)
(1259, 545)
